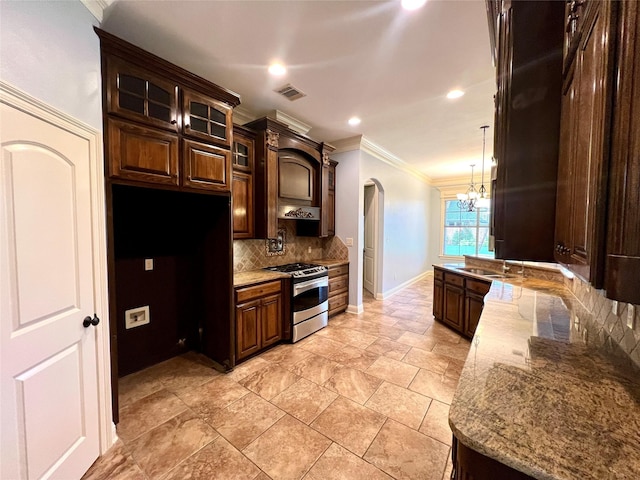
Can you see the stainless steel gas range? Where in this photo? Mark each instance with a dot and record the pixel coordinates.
(309, 297)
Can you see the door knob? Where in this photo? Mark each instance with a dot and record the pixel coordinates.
(90, 321)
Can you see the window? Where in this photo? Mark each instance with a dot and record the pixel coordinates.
(465, 233)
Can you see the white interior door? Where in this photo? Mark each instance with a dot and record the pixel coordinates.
(49, 393)
(370, 214)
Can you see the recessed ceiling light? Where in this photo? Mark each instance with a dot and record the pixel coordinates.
(455, 94)
(277, 69)
(353, 121)
(412, 4)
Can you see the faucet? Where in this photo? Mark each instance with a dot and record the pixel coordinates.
(505, 267)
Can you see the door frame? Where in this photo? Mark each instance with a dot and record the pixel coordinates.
(378, 218)
(20, 100)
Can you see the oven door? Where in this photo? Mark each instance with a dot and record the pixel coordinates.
(310, 298)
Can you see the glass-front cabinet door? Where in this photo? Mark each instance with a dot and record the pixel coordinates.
(140, 95)
(206, 119)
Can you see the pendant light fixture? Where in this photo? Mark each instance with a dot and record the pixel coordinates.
(467, 201)
(483, 196)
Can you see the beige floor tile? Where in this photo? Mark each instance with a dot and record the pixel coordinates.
(353, 384)
(244, 420)
(217, 461)
(393, 371)
(417, 325)
(214, 395)
(304, 400)
(458, 351)
(315, 368)
(436, 422)
(117, 463)
(353, 357)
(349, 424)
(389, 348)
(448, 469)
(181, 372)
(402, 405)
(416, 340)
(164, 447)
(322, 346)
(136, 386)
(338, 463)
(441, 333)
(428, 360)
(247, 368)
(454, 369)
(269, 381)
(434, 385)
(285, 355)
(404, 453)
(288, 449)
(149, 412)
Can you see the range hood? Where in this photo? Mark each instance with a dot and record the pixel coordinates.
(298, 212)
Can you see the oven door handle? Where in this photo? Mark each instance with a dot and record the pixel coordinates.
(302, 287)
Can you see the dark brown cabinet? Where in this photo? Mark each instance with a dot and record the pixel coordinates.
(148, 125)
(142, 154)
(622, 281)
(338, 289)
(206, 118)
(584, 158)
(527, 118)
(471, 465)
(242, 185)
(458, 300)
(259, 317)
(328, 220)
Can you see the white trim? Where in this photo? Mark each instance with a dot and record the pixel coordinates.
(293, 123)
(355, 309)
(23, 101)
(97, 7)
(360, 142)
(394, 290)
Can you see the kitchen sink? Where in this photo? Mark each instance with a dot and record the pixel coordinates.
(485, 273)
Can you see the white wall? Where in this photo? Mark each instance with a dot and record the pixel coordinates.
(411, 234)
(49, 50)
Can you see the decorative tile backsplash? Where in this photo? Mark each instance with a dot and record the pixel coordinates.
(252, 254)
(615, 328)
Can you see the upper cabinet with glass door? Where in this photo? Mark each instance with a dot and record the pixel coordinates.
(138, 94)
(207, 119)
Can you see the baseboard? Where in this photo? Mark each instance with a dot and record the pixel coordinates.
(393, 291)
(355, 309)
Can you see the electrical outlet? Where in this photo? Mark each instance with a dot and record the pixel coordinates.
(349, 242)
(136, 317)
(631, 316)
(308, 249)
(148, 264)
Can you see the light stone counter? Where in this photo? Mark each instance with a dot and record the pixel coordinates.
(330, 262)
(240, 279)
(540, 392)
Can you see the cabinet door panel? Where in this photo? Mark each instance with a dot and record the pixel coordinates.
(438, 293)
(140, 95)
(206, 118)
(248, 331)
(143, 154)
(206, 167)
(472, 312)
(454, 306)
(271, 319)
(242, 193)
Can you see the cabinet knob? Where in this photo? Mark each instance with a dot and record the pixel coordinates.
(174, 121)
(88, 321)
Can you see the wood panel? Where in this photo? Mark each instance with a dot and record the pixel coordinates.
(271, 319)
(242, 194)
(438, 299)
(454, 306)
(206, 167)
(141, 154)
(248, 328)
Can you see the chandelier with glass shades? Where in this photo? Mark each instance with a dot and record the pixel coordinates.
(475, 198)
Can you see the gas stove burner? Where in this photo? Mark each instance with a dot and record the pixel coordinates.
(300, 270)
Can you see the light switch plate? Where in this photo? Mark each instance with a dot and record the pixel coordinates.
(349, 242)
(148, 264)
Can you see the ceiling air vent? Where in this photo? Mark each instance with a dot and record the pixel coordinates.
(291, 92)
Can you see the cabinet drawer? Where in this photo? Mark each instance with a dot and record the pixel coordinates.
(337, 271)
(338, 302)
(478, 286)
(337, 284)
(453, 279)
(255, 291)
(438, 274)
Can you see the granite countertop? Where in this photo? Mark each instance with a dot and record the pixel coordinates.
(330, 262)
(538, 395)
(241, 279)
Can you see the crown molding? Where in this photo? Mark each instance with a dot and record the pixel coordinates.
(242, 115)
(293, 123)
(97, 7)
(360, 142)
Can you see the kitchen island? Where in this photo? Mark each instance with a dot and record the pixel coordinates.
(543, 391)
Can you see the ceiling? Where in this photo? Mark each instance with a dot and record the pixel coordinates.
(372, 59)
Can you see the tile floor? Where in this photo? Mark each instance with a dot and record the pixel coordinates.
(365, 398)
